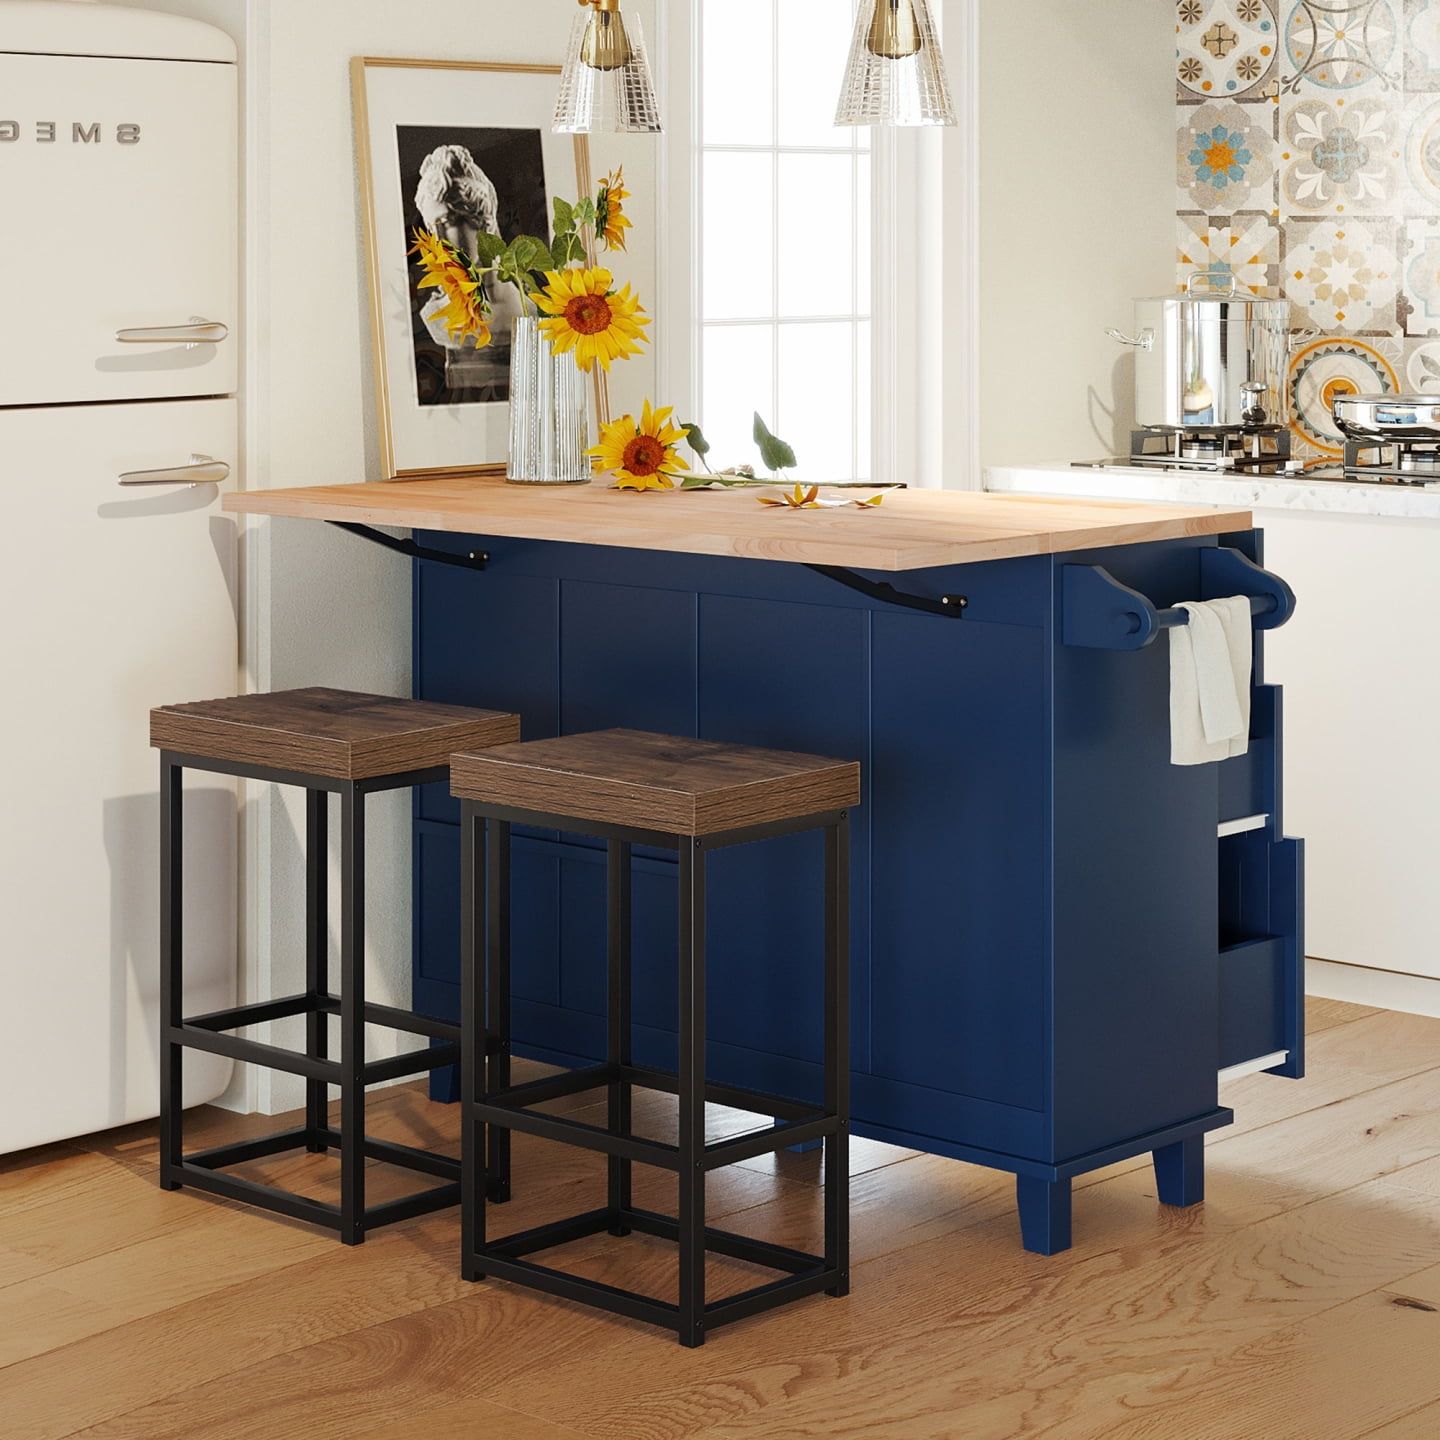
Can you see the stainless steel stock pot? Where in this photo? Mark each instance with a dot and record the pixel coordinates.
(1210, 357)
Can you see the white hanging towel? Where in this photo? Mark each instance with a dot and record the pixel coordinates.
(1210, 670)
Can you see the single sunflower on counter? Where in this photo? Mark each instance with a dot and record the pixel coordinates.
(464, 314)
(611, 221)
(641, 456)
(586, 314)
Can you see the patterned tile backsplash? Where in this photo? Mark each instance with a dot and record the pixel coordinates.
(1308, 166)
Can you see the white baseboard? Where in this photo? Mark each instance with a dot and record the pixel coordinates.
(1331, 980)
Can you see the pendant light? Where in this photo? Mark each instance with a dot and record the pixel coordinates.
(607, 83)
(896, 74)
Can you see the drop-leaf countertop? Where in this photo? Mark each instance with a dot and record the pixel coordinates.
(911, 530)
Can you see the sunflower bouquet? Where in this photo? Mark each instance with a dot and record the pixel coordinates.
(576, 301)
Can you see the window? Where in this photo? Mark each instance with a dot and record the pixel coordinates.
(783, 303)
(824, 276)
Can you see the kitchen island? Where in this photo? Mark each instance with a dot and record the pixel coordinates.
(1059, 938)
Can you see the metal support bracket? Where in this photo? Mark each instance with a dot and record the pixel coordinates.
(953, 607)
(473, 560)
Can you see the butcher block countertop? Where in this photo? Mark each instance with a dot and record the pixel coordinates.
(911, 530)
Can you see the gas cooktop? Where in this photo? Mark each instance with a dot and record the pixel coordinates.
(1266, 470)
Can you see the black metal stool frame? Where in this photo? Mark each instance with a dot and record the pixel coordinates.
(492, 1108)
(211, 1033)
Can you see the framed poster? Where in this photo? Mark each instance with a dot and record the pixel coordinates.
(453, 147)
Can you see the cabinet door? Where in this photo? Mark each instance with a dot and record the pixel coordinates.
(120, 215)
(114, 600)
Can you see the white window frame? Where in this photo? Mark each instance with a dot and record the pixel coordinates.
(924, 256)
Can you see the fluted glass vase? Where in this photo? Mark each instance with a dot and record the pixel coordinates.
(549, 418)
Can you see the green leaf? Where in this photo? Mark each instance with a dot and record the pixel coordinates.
(567, 250)
(776, 454)
(529, 253)
(564, 217)
(488, 249)
(696, 437)
(585, 213)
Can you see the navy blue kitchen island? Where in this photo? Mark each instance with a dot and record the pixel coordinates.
(1059, 938)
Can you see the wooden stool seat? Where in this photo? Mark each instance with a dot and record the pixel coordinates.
(663, 783)
(334, 733)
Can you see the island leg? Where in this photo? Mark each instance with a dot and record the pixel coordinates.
(1180, 1172)
(1044, 1214)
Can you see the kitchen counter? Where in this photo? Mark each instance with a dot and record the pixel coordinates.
(912, 530)
(1059, 939)
(1131, 484)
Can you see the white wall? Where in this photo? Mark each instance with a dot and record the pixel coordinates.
(1077, 194)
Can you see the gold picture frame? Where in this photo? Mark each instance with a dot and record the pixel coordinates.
(402, 455)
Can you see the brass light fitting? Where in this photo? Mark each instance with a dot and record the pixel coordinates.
(606, 45)
(895, 32)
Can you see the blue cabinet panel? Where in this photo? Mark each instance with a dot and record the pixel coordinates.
(958, 776)
(501, 652)
(534, 888)
(437, 907)
(627, 659)
(1135, 995)
(810, 666)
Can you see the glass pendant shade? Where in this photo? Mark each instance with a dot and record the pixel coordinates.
(607, 83)
(896, 74)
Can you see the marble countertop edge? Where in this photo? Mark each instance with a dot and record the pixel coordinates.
(1298, 493)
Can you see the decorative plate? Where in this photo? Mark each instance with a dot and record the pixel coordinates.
(1324, 370)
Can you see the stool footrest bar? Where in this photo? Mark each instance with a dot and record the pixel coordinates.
(405, 1021)
(251, 1192)
(726, 1242)
(413, 1062)
(767, 1297)
(254, 1052)
(556, 1087)
(758, 1103)
(243, 1015)
(244, 1150)
(407, 1157)
(442, 1197)
(202, 1171)
(547, 1237)
(802, 1275)
(768, 1142)
(584, 1292)
(574, 1132)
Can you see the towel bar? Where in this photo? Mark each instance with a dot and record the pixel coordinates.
(1100, 613)
(1175, 617)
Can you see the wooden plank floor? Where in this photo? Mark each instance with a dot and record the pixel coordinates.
(1300, 1302)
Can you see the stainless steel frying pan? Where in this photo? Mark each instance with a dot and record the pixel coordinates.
(1388, 417)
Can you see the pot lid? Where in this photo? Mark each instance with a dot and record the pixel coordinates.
(1213, 287)
(1425, 402)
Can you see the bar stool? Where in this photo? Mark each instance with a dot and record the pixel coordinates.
(694, 797)
(327, 742)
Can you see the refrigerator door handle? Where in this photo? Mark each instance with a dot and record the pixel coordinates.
(197, 332)
(202, 470)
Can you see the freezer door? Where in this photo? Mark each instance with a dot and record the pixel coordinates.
(113, 598)
(118, 251)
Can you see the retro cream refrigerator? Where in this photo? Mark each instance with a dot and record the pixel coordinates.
(118, 435)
